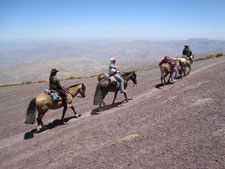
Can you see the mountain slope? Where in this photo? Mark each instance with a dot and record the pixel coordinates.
(174, 126)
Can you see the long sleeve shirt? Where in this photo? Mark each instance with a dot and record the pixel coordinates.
(54, 83)
(112, 69)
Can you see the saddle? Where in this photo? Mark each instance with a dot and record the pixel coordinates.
(54, 95)
(173, 62)
(111, 79)
(184, 56)
(168, 59)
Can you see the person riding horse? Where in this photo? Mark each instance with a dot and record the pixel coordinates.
(187, 52)
(54, 84)
(113, 71)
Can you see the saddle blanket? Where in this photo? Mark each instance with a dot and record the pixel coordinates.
(55, 97)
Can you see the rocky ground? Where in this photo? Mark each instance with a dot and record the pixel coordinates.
(181, 125)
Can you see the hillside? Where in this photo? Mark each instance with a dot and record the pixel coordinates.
(33, 61)
(175, 126)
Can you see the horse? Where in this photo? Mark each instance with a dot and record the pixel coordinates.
(43, 102)
(104, 86)
(165, 69)
(183, 60)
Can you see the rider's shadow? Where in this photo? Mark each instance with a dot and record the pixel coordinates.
(55, 123)
(107, 107)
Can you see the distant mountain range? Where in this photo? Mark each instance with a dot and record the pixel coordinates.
(22, 62)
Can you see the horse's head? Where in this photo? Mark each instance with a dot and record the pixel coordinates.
(75, 89)
(82, 90)
(134, 77)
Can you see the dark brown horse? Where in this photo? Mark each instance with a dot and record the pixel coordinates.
(104, 86)
(43, 102)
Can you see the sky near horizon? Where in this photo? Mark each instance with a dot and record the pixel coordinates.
(112, 19)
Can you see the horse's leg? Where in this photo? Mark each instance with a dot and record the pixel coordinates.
(63, 114)
(170, 77)
(162, 76)
(125, 95)
(161, 79)
(116, 92)
(182, 69)
(39, 120)
(180, 73)
(175, 77)
(185, 71)
(189, 66)
(75, 113)
(165, 78)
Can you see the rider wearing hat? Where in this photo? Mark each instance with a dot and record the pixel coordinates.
(54, 84)
(187, 51)
(113, 72)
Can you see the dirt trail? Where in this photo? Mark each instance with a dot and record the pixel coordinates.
(174, 126)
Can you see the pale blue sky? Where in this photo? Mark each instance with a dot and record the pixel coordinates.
(111, 19)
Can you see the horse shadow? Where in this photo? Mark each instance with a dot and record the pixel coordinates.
(107, 107)
(158, 86)
(55, 123)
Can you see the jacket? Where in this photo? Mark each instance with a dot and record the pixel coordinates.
(112, 69)
(187, 52)
(54, 82)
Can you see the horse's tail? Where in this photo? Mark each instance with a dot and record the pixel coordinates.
(98, 95)
(31, 111)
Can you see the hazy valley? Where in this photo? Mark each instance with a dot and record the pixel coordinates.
(23, 62)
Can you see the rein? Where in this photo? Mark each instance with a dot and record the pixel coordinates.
(71, 93)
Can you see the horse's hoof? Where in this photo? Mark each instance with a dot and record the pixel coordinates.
(77, 115)
(39, 129)
(63, 122)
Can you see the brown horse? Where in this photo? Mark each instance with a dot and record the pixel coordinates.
(43, 102)
(166, 69)
(104, 86)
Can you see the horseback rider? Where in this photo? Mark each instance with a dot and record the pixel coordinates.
(187, 52)
(54, 84)
(113, 71)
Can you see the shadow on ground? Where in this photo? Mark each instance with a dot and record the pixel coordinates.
(55, 123)
(107, 107)
(158, 86)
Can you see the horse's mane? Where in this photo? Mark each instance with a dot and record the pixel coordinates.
(73, 86)
(126, 73)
